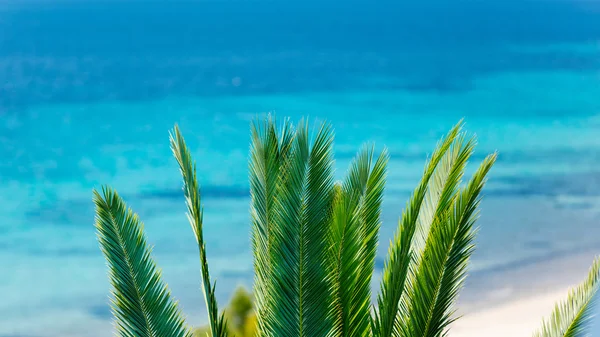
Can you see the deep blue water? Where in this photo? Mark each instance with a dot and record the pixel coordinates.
(90, 89)
(80, 51)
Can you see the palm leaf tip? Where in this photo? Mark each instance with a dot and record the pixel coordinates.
(187, 168)
(191, 189)
(142, 303)
(572, 317)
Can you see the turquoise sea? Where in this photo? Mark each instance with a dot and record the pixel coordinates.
(90, 89)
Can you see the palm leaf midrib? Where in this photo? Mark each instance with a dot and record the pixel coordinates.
(338, 273)
(128, 261)
(338, 285)
(446, 256)
(438, 285)
(578, 316)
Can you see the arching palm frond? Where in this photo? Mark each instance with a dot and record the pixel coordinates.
(354, 234)
(191, 190)
(141, 304)
(572, 317)
(440, 198)
(443, 188)
(400, 255)
(445, 257)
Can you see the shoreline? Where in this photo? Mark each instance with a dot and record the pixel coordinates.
(517, 318)
(498, 286)
(513, 301)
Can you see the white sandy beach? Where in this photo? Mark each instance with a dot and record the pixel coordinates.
(517, 307)
(519, 318)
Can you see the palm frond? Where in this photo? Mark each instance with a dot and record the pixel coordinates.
(440, 197)
(399, 255)
(441, 274)
(142, 303)
(191, 190)
(442, 187)
(269, 154)
(572, 317)
(299, 244)
(354, 233)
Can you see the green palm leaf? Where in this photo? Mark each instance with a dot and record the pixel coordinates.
(572, 317)
(192, 197)
(440, 197)
(400, 255)
(445, 257)
(269, 154)
(299, 239)
(142, 303)
(442, 188)
(354, 235)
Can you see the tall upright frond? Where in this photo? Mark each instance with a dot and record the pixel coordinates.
(572, 317)
(269, 154)
(442, 271)
(440, 197)
(191, 191)
(142, 303)
(399, 254)
(300, 232)
(354, 233)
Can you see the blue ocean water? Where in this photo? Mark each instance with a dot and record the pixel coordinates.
(90, 89)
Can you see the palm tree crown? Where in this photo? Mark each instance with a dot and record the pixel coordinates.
(315, 240)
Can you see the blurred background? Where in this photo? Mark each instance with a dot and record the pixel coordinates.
(89, 90)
